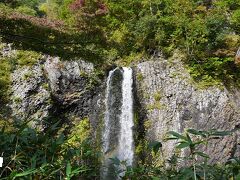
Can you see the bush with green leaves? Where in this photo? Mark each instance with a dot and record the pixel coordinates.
(31, 154)
(26, 10)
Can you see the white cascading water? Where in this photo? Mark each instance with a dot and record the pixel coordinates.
(106, 132)
(125, 151)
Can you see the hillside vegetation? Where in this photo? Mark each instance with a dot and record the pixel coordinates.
(124, 31)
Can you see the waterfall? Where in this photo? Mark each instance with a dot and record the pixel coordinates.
(126, 120)
(118, 121)
(106, 133)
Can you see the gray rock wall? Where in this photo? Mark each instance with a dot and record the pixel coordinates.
(172, 102)
(30, 96)
(54, 88)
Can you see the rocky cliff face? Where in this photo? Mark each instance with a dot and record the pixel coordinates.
(52, 88)
(172, 102)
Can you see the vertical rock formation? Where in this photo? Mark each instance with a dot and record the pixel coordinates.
(173, 103)
(30, 96)
(54, 88)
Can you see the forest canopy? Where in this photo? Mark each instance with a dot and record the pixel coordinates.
(107, 30)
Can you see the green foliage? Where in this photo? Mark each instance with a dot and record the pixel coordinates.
(4, 77)
(235, 20)
(29, 3)
(215, 71)
(26, 10)
(29, 7)
(157, 96)
(125, 31)
(155, 146)
(155, 105)
(79, 133)
(55, 9)
(45, 86)
(27, 58)
(50, 37)
(45, 155)
(139, 76)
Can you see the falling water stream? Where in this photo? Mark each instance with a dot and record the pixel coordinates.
(118, 121)
(125, 150)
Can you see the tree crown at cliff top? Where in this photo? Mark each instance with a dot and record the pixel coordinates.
(207, 31)
(107, 30)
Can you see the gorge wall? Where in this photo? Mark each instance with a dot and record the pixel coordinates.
(171, 101)
(53, 89)
(164, 91)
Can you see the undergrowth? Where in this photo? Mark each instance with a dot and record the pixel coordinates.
(31, 154)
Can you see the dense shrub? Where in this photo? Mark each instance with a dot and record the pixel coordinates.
(51, 154)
